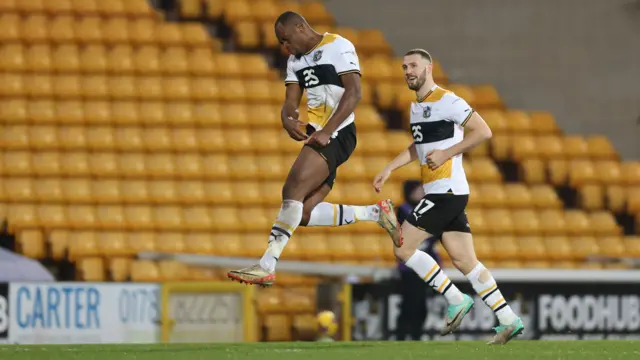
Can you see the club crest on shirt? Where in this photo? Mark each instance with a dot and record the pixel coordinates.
(426, 112)
(317, 55)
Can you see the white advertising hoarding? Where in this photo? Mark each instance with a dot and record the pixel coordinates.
(77, 313)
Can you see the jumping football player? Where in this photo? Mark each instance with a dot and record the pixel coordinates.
(438, 120)
(327, 67)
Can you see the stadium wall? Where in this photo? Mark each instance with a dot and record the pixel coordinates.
(575, 58)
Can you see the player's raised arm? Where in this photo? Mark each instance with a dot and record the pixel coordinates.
(408, 155)
(289, 113)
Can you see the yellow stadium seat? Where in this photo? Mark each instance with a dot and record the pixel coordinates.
(315, 244)
(496, 120)
(201, 61)
(577, 222)
(631, 172)
(190, 192)
(188, 166)
(77, 190)
(93, 59)
(600, 147)
(84, 7)
(123, 87)
(173, 60)
(464, 91)
(199, 243)
(136, 191)
(247, 34)
(168, 33)
(100, 138)
(277, 327)
(66, 86)
(501, 145)
(36, 85)
(170, 242)
(141, 241)
(372, 41)
(61, 29)
(18, 189)
(119, 268)
(490, 195)
(146, 60)
(575, 147)
(22, 216)
(531, 248)
(504, 247)
(633, 200)
(12, 85)
(544, 123)
(604, 223)
(144, 271)
(116, 30)
(609, 171)
(264, 11)
(103, 164)
(316, 13)
(372, 144)
(171, 270)
(386, 96)
(43, 137)
(46, 164)
(38, 58)
(197, 218)
(10, 25)
(584, 246)
(552, 221)
(30, 243)
(259, 219)
(558, 172)
(616, 198)
(139, 217)
(550, 147)
(632, 245)
(242, 167)
(132, 165)
(558, 247)
(499, 221)
(128, 138)
(379, 68)
(227, 244)
(176, 88)
(215, 166)
(58, 241)
(94, 86)
(110, 8)
(518, 121)
(37, 111)
(48, 190)
(34, 28)
(12, 57)
(591, 197)
(160, 165)
(235, 11)
(486, 97)
(15, 137)
(138, 8)
(518, 196)
(544, 197)
(15, 111)
(82, 217)
(271, 193)
(196, 35)
(16, 163)
(106, 191)
(151, 113)
(267, 36)
(269, 167)
(90, 269)
(485, 170)
(88, 30)
(341, 247)
(581, 172)
(225, 219)
(162, 191)
(141, 31)
(523, 147)
(526, 222)
(533, 171)
(157, 139)
(111, 217)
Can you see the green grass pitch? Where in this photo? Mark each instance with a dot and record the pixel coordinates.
(473, 350)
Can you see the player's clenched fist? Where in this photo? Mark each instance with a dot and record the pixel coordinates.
(380, 179)
(319, 138)
(293, 127)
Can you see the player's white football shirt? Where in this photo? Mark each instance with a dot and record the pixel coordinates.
(437, 122)
(318, 72)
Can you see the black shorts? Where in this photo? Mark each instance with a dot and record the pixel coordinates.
(438, 213)
(338, 150)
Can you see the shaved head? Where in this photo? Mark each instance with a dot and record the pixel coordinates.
(295, 34)
(290, 18)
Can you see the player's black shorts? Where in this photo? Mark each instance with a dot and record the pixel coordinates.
(438, 213)
(338, 150)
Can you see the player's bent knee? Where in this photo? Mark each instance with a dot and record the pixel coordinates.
(466, 264)
(306, 216)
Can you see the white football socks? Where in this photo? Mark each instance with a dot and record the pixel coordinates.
(327, 214)
(286, 223)
(429, 270)
(486, 287)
